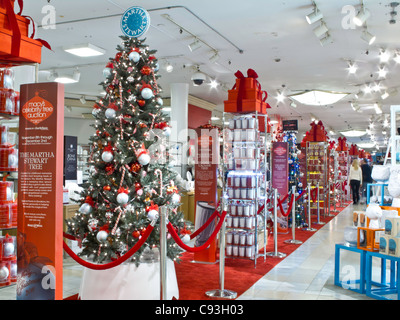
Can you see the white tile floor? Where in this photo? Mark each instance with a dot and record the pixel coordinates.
(306, 274)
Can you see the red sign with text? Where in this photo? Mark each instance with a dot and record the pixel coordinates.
(40, 191)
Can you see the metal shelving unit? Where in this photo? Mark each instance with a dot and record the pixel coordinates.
(245, 153)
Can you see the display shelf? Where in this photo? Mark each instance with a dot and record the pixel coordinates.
(9, 111)
(246, 185)
(317, 173)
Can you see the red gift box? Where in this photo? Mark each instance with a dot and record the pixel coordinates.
(5, 216)
(246, 96)
(15, 46)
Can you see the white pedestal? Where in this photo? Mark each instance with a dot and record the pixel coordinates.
(128, 282)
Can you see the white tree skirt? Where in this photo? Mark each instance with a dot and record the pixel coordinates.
(128, 282)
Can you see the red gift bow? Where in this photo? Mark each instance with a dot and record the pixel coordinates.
(89, 201)
(152, 207)
(123, 190)
(108, 148)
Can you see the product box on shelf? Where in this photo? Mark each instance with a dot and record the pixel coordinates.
(392, 226)
(5, 279)
(8, 158)
(9, 247)
(6, 78)
(359, 219)
(383, 244)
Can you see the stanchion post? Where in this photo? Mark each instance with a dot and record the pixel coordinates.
(275, 253)
(318, 207)
(293, 240)
(329, 199)
(309, 228)
(222, 292)
(163, 252)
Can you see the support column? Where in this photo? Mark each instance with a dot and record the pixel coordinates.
(179, 122)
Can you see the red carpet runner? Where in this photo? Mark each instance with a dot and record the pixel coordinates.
(195, 279)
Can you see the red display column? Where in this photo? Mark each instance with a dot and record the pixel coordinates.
(40, 191)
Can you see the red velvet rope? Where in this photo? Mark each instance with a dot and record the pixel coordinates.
(314, 194)
(178, 240)
(112, 264)
(205, 225)
(291, 201)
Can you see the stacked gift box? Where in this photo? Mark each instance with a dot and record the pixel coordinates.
(317, 133)
(389, 242)
(246, 96)
(8, 151)
(8, 260)
(16, 46)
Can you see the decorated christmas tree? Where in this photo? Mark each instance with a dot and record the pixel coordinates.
(295, 176)
(130, 176)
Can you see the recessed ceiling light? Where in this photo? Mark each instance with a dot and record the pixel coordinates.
(366, 145)
(85, 50)
(352, 68)
(384, 56)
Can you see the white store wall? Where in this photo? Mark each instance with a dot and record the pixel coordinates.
(79, 128)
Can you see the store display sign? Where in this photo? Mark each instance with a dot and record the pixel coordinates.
(280, 174)
(206, 193)
(135, 22)
(290, 125)
(70, 157)
(40, 192)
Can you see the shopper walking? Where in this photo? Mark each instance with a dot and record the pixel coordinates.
(355, 179)
(366, 177)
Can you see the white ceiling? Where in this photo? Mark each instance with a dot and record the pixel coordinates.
(267, 31)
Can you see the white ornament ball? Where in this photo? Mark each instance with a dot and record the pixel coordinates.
(4, 273)
(144, 159)
(9, 193)
(102, 236)
(156, 67)
(106, 72)
(134, 56)
(8, 249)
(95, 112)
(107, 156)
(160, 101)
(85, 208)
(186, 238)
(167, 131)
(147, 93)
(7, 82)
(176, 198)
(152, 214)
(110, 113)
(122, 198)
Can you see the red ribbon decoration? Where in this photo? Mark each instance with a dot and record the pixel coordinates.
(123, 190)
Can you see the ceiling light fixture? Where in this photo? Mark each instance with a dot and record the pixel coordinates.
(321, 29)
(397, 57)
(318, 97)
(388, 93)
(168, 67)
(315, 16)
(378, 108)
(85, 50)
(66, 79)
(214, 84)
(325, 40)
(82, 100)
(353, 133)
(382, 72)
(384, 56)
(280, 96)
(352, 68)
(361, 17)
(368, 37)
(215, 57)
(194, 45)
(366, 145)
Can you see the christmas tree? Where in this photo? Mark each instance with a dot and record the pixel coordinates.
(130, 177)
(295, 176)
